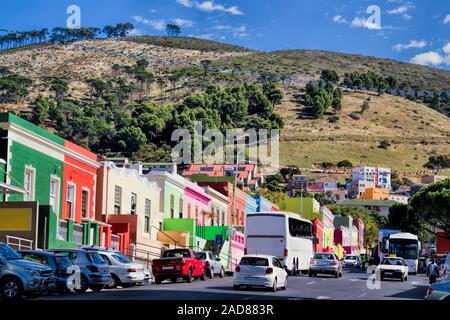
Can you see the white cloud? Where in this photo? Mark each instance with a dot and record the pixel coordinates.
(428, 58)
(184, 23)
(222, 27)
(433, 58)
(365, 23)
(447, 19)
(446, 49)
(210, 6)
(158, 24)
(136, 32)
(186, 3)
(412, 44)
(339, 19)
(399, 10)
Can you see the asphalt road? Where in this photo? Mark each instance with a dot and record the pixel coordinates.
(352, 286)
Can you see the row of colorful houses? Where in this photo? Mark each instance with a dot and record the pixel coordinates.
(57, 194)
(339, 234)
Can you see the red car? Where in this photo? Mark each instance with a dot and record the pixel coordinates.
(178, 263)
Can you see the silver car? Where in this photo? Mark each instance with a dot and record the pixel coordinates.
(19, 277)
(94, 272)
(326, 263)
(213, 264)
(352, 260)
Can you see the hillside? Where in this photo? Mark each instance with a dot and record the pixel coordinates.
(180, 67)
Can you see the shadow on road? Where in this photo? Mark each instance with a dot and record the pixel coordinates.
(412, 293)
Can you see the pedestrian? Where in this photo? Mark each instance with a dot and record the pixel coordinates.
(433, 271)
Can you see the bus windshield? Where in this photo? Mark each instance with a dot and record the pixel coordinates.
(407, 249)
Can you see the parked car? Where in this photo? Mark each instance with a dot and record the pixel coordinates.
(213, 264)
(260, 271)
(392, 267)
(325, 262)
(351, 260)
(94, 272)
(178, 263)
(20, 277)
(439, 291)
(124, 272)
(58, 263)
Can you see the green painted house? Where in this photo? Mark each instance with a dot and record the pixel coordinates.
(35, 161)
(310, 207)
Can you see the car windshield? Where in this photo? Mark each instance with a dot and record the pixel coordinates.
(9, 253)
(176, 254)
(325, 256)
(201, 255)
(94, 257)
(121, 258)
(253, 261)
(62, 261)
(392, 261)
(350, 258)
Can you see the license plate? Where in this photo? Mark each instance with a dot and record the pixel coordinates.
(251, 278)
(167, 268)
(50, 285)
(388, 272)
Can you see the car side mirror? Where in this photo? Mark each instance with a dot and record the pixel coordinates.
(218, 259)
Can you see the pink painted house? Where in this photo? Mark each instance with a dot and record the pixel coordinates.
(195, 203)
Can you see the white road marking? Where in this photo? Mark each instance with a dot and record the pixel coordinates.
(361, 295)
(323, 298)
(309, 283)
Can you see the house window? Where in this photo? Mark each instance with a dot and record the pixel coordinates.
(133, 203)
(189, 210)
(117, 199)
(70, 201)
(223, 217)
(29, 181)
(148, 206)
(54, 195)
(180, 209)
(196, 213)
(172, 206)
(84, 203)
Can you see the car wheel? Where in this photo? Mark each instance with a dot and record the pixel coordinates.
(114, 282)
(189, 277)
(336, 275)
(402, 279)
(203, 276)
(210, 273)
(174, 280)
(222, 273)
(274, 288)
(97, 287)
(84, 284)
(310, 274)
(236, 287)
(158, 280)
(11, 289)
(406, 278)
(285, 284)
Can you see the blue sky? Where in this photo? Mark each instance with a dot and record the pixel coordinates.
(410, 30)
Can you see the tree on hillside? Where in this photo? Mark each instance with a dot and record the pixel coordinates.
(431, 206)
(60, 88)
(329, 76)
(173, 29)
(40, 111)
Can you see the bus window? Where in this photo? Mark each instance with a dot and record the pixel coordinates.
(300, 229)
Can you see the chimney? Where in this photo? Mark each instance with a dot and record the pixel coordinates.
(136, 165)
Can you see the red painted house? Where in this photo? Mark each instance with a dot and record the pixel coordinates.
(79, 189)
(318, 232)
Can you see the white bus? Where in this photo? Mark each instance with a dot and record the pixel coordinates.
(281, 234)
(407, 246)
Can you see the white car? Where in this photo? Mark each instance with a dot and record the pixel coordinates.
(351, 260)
(123, 271)
(260, 271)
(392, 267)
